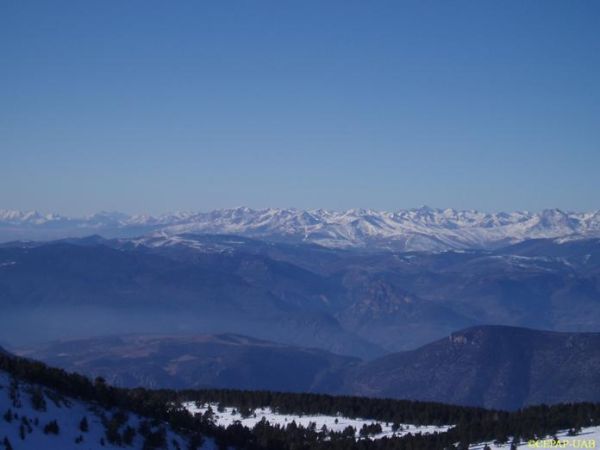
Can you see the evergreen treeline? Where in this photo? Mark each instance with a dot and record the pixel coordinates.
(385, 410)
(472, 424)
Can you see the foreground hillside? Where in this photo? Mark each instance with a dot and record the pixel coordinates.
(35, 417)
(45, 408)
(491, 366)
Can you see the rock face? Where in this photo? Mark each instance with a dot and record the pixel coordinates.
(492, 366)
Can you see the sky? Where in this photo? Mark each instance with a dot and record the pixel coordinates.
(153, 106)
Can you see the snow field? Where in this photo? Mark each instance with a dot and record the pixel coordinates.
(231, 415)
(587, 438)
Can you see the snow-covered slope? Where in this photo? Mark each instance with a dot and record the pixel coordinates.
(414, 229)
(586, 438)
(25, 422)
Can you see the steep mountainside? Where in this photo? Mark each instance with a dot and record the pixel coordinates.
(415, 229)
(493, 366)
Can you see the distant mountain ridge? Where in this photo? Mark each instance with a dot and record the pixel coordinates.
(424, 228)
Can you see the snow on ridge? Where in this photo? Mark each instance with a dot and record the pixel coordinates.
(410, 229)
(11, 216)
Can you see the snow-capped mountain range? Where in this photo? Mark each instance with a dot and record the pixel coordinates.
(413, 229)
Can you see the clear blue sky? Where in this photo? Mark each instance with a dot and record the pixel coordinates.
(152, 106)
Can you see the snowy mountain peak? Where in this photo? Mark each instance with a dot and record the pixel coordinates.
(27, 217)
(423, 228)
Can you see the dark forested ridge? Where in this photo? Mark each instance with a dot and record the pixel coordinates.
(492, 366)
(489, 366)
(198, 361)
(472, 424)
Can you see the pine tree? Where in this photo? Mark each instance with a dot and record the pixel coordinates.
(195, 442)
(8, 415)
(52, 427)
(128, 435)
(7, 444)
(14, 393)
(37, 400)
(112, 433)
(83, 425)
